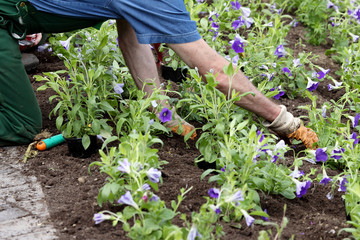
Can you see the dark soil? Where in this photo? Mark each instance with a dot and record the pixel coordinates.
(71, 192)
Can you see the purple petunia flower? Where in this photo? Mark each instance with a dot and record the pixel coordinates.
(236, 197)
(193, 233)
(214, 192)
(153, 174)
(281, 93)
(66, 43)
(286, 70)
(294, 23)
(337, 85)
(296, 173)
(165, 115)
(337, 151)
(265, 218)
(124, 166)
(332, 5)
(323, 111)
(325, 180)
(118, 88)
(296, 62)
(342, 187)
(154, 198)
(249, 219)
(301, 187)
(127, 199)
(238, 23)
(356, 139)
(215, 26)
(213, 14)
(216, 209)
(280, 51)
(320, 75)
(269, 24)
(235, 5)
(311, 85)
(99, 217)
(320, 155)
(355, 120)
(259, 133)
(355, 37)
(238, 44)
(223, 169)
(245, 11)
(146, 187)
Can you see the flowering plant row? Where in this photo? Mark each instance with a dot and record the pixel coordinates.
(99, 91)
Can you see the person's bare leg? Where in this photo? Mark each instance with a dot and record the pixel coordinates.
(199, 54)
(141, 63)
(138, 57)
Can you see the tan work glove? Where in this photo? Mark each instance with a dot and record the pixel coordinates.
(286, 125)
(176, 122)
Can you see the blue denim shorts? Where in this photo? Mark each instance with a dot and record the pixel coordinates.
(154, 21)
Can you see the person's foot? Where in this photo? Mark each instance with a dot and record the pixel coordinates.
(180, 126)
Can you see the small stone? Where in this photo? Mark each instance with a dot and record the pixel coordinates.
(81, 179)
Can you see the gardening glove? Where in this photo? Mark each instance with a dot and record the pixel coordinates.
(185, 126)
(287, 125)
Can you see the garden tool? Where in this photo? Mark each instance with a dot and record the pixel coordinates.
(286, 125)
(168, 73)
(180, 126)
(50, 142)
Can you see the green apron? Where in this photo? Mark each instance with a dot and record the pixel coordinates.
(20, 115)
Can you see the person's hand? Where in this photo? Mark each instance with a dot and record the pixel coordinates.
(306, 135)
(286, 125)
(178, 122)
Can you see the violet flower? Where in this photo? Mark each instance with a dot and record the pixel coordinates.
(236, 197)
(165, 115)
(269, 24)
(154, 103)
(154, 198)
(214, 192)
(301, 187)
(216, 209)
(325, 180)
(238, 23)
(356, 139)
(193, 233)
(321, 155)
(294, 23)
(145, 187)
(213, 14)
(124, 166)
(127, 199)
(66, 43)
(355, 38)
(118, 88)
(355, 120)
(280, 51)
(281, 93)
(235, 5)
(337, 85)
(323, 111)
(249, 219)
(311, 85)
(265, 218)
(296, 173)
(238, 44)
(286, 70)
(153, 174)
(320, 75)
(342, 187)
(99, 217)
(296, 62)
(337, 151)
(332, 5)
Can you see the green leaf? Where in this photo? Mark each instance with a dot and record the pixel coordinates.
(207, 172)
(85, 141)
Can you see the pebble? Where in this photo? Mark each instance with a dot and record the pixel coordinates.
(81, 179)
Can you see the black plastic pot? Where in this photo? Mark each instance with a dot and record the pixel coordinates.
(177, 75)
(76, 148)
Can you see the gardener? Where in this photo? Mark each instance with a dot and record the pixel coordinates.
(139, 23)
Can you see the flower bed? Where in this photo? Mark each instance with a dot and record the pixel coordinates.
(240, 171)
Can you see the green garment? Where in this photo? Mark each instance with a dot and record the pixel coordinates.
(20, 115)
